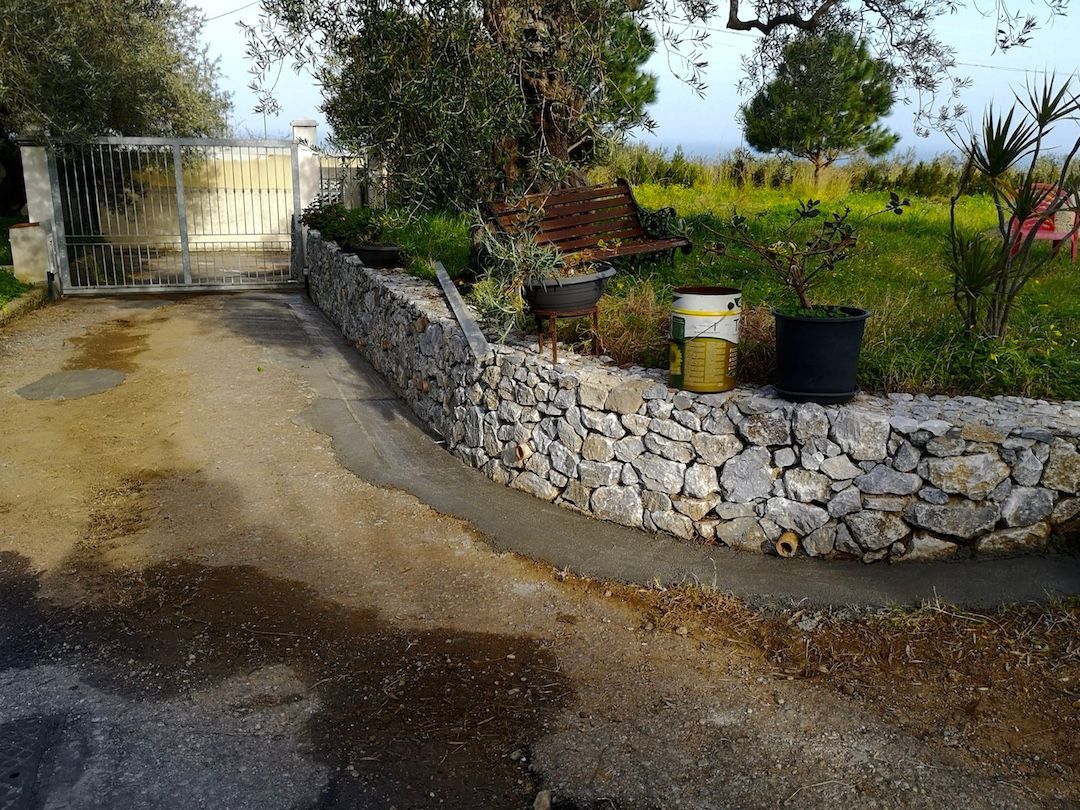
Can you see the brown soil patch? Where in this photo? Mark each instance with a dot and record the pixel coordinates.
(1002, 687)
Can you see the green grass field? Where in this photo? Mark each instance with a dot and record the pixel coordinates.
(914, 341)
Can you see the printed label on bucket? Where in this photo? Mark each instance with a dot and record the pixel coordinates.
(703, 365)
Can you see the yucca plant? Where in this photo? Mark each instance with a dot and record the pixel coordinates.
(1004, 154)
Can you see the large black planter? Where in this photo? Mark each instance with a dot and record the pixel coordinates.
(570, 294)
(379, 257)
(817, 358)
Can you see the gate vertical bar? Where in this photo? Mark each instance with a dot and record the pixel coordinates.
(181, 213)
(59, 233)
(299, 259)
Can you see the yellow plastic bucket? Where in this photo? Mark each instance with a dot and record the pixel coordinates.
(705, 338)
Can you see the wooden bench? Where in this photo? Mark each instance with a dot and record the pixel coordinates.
(593, 222)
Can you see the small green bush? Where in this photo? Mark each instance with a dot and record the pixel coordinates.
(10, 287)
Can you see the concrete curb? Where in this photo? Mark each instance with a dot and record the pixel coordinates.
(375, 435)
(26, 303)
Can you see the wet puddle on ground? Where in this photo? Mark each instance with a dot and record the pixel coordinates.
(403, 715)
(113, 344)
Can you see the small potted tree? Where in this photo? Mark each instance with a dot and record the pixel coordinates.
(817, 345)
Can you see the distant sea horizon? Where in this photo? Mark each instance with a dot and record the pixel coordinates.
(923, 149)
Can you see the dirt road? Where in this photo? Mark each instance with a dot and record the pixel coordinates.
(201, 607)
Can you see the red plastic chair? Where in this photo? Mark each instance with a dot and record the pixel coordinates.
(1046, 228)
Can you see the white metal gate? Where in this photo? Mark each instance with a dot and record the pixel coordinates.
(143, 214)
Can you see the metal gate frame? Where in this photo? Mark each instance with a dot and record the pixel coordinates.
(177, 144)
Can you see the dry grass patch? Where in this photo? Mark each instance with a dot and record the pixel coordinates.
(116, 511)
(1002, 686)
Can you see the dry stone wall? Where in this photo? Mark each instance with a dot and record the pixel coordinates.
(900, 477)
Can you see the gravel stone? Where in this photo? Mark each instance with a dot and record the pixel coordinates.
(801, 518)
(972, 476)
(1062, 470)
(748, 476)
(627, 398)
(875, 530)
(884, 480)
(820, 542)
(700, 481)
(766, 429)
(964, 519)
(862, 434)
(1013, 541)
(742, 533)
(598, 448)
(845, 502)
(670, 429)
(535, 485)
(676, 451)
(1026, 469)
(924, 547)
(806, 486)
(599, 473)
(660, 473)
(618, 504)
(1027, 505)
(810, 421)
(716, 450)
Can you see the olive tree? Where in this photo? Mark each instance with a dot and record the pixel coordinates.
(74, 69)
(466, 98)
(80, 68)
(460, 100)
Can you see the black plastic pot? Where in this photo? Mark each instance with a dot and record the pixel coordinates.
(817, 358)
(570, 294)
(377, 256)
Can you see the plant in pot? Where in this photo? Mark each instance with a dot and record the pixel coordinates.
(519, 275)
(356, 230)
(817, 345)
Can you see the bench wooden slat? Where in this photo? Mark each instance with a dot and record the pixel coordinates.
(570, 195)
(576, 220)
(586, 241)
(556, 209)
(595, 229)
(627, 213)
(636, 248)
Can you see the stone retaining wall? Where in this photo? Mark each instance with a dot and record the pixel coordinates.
(900, 477)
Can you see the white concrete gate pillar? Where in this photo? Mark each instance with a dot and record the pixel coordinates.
(31, 247)
(304, 134)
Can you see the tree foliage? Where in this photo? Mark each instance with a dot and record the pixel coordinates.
(460, 100)
(79, 68)
(463, 98)
(824, 102)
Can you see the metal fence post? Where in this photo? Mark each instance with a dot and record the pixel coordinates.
(181, 212)
(299, 254)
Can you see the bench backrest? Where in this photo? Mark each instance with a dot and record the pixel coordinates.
(577, 218)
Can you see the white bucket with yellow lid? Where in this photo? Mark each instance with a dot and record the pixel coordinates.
(705, 338)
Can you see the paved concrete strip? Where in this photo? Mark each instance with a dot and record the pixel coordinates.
(377, 437)
(74, 384)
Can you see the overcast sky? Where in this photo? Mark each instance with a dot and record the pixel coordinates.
(704, 125)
